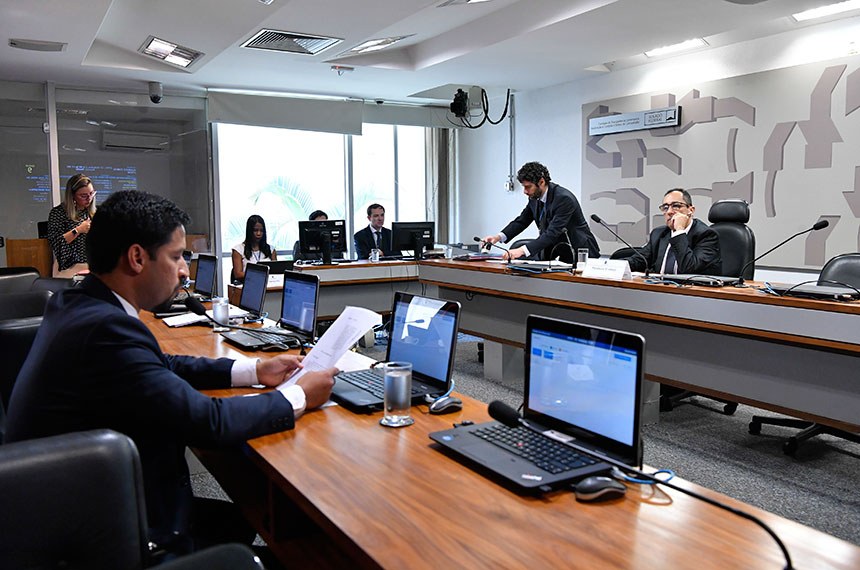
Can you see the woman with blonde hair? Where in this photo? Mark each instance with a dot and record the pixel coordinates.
(69, 224)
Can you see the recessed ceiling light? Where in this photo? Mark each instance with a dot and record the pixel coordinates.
(169, 52)
(828, 10)
(377, 44)
(675, 48)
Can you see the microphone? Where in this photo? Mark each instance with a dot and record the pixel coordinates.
(501, 412)
(486, 244)
(819, 225)
(597, 219)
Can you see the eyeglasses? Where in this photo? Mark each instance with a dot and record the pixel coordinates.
(673, 205)
(88, 195)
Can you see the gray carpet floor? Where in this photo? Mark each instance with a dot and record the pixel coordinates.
(817, 487)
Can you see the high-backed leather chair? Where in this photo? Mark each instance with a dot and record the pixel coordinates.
(55, 284)
(842, 269)
(16, 338)
(737, 241)
(75, 501)
(23, 304)
(17, 279)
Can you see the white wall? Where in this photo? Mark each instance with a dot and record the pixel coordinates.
(549, 124)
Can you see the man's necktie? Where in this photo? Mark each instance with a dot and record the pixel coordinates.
(539, 216)
(378, 239)
(671, 262)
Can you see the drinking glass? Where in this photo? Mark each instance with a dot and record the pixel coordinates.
(397, 394)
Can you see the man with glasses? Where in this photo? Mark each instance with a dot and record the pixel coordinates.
(684, 244)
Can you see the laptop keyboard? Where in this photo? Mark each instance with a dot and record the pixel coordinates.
(549, 455)
(369, 381)
(266, 337)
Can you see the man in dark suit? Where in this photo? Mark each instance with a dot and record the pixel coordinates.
(558, 217)
(94, 364)
(684, 244)
(374, 236)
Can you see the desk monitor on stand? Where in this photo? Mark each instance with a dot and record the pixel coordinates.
(414, 236)
(322, 237)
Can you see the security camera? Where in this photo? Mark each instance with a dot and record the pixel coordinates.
(156, 93)
(379, 101)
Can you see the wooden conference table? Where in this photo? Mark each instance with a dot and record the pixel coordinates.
(795, 356)
(362, 495)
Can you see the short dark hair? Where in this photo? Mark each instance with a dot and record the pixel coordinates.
(130, 217)
(374, 207)
(688, 200)
(316, 214)
(533, 172)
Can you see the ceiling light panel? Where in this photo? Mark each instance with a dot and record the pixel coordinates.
(169, 52)
(688, 45)
(828, 10)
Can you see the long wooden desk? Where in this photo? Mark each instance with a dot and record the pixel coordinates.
(360, 284)
(361, 495)
(789, 355)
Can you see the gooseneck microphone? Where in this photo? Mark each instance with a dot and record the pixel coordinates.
(636, 251)
(503, 413)
(479, 240)
(819, 225)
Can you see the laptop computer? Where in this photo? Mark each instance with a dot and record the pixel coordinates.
(254, 289)
(583, 385)
(278, 267)
(424, 332)
(703, 280)
(299, 305)
(814, 291)
(204, 279)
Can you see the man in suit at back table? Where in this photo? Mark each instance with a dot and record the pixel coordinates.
(684, 244)
(555, 211)
(94, 364)
(374, 236)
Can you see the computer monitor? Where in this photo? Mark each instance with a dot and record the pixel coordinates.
(254, 289)
(278, 267)
(204, 280)
(299, 304)
(414, 236)
(322, 237)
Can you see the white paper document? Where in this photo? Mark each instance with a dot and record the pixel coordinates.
(350, 326)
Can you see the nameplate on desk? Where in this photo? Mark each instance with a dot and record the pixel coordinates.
(616, 269)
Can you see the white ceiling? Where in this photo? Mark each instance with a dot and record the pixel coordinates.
(500, 44)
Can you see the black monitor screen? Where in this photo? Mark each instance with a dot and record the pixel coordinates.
(414, 236)
(254, 288)
(204, 280)
(313, 237)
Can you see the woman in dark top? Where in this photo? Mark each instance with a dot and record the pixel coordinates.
(254, 249)
(68, 225)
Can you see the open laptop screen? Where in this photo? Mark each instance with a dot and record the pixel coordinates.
(254, 288)
(204, 280)
(424, 332)
(586, 381)
(299, 303)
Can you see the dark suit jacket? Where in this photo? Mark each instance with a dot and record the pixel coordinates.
(94, 366)
(364, 242)
(697, 251)
(561, 211)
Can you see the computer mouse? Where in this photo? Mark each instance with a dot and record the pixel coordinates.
(599, 488)
(446, 405)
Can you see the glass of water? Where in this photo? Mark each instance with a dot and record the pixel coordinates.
(397, 393)
(221, 314)
(581, 258)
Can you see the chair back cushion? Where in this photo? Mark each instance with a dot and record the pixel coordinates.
(14, 281)
(23, 304)
(55, 284)
(737, 242)
(16, 338)
(72, 501)
(843, 268)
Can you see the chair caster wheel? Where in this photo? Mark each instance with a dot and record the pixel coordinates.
(755, 428)
(730, 408)
(790, 447)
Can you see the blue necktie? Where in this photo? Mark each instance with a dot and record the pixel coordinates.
(671, 262)
(378, 239)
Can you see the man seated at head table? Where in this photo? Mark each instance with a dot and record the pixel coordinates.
(316, 216)
(684, 244)
(94, 364)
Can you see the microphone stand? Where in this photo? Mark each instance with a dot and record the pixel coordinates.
(820, 225)
(488, 245)
(636, 251)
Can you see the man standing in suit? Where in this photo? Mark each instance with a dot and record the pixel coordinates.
(684, 244)
(374, 236)
(94, 364)
(556, 212)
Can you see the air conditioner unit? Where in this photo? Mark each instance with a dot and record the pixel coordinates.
(119, 140)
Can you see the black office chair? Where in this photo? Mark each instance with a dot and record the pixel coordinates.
(55, 284)
(624, 252)
(24, 304)
(17, 279)
(519, 243)
(16, 338)
(843, 269)
(737, 241)
(75, 501)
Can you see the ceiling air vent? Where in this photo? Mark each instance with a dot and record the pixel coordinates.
(290, 42)
(119, 140)
(37, 45)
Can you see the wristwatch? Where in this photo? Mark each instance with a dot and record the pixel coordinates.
(74, 231)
